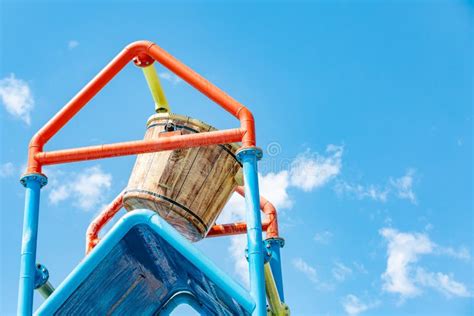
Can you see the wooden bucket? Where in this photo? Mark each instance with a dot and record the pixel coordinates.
(187, 187)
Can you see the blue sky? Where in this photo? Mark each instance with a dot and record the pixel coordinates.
(363, 110)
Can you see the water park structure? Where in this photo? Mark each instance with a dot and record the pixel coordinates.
(184, 174)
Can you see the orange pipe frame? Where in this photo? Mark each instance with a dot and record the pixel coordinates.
(143, 52)
(92, 234)
(270, 224)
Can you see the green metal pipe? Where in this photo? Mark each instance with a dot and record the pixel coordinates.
(45, 290)
(277, 308)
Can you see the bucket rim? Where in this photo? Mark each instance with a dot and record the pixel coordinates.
(190, 120)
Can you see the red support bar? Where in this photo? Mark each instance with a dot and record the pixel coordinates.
(140, 49)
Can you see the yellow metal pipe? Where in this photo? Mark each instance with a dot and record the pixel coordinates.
(276, 306)
(161, 104)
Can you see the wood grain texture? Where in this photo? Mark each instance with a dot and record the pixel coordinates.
(187, 187)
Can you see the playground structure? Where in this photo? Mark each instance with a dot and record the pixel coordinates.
(146, 263)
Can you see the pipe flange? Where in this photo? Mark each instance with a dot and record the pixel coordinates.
(41, 275)
(246, 152)
(143, 60)
(269, 242)
(38, 177)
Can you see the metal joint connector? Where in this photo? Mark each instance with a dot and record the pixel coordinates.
(269, 242)
(267, 253)
(247, 152)
(42, 284)
(41, 275)
(38, 177)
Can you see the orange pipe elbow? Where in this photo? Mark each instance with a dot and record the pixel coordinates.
(140, 49)
(269, 210)
(92, 235)
(270, 224)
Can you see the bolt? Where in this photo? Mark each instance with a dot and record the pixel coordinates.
(170, 126)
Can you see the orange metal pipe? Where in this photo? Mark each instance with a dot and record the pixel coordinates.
(92, 235)
(270, 224)
(139, 50)
(269, 210)
(232, 229)
(139, 147)
(211, 91)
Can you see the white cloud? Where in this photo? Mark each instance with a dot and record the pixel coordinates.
(274, 187)
(170, 77)
(309, 171)
(323, 237)
(59, 194)
(238, 244)
(442, 283)
(7, 170)
(340, 271)
(400, 187)
(17, 98)
(306, 269)
(360, 267)
(404, 186)
(354, 306)
(361, 192)
(403, 250)
(22, 169)
(461, 253)
(86, 192)
(90, 185)
(311, 274)
(402, 275)
(234, 210)
(72, 44)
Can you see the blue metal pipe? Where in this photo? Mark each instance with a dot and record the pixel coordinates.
(249, 158)
(274, 245)
(33, 184)
(176, 300)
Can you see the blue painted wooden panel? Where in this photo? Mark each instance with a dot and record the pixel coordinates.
(137, 276)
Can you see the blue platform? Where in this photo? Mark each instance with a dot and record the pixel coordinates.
(143, 266)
